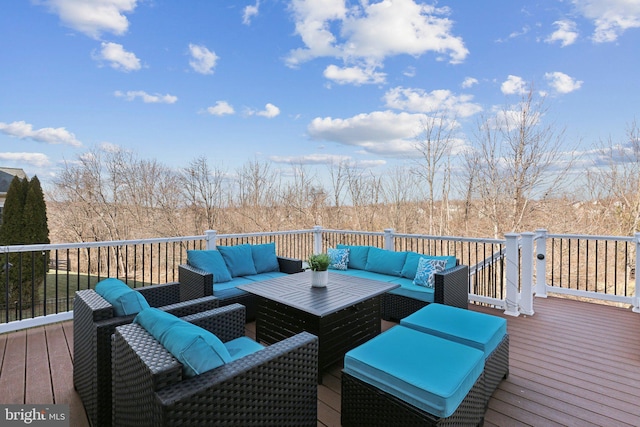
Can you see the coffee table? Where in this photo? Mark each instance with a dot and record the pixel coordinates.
(343, 315)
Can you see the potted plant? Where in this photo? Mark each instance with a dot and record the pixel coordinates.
(318, 264)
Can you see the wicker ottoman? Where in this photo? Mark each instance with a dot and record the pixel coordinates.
(482, 331)
(406, 377)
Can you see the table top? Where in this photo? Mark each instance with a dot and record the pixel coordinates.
(295, 290)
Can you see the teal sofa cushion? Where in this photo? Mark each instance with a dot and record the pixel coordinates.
(411, 263)
(264, 257)
(124, 300)
(239, 259)
(428, 372)
(357, 255)
(241, 347)
(211, 262)
(197, 349)
(479, 330)
(385, 262)
(409, 289)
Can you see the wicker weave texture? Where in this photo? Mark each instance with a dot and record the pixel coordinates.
(496, 367)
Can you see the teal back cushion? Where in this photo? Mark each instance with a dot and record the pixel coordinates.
(411, 263)
(385, 262)
(239, 259)
(125, 301)
(211, 262)
(197, 349)
(357, 255)
(264, 257)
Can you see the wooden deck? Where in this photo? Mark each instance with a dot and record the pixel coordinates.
(572, 363)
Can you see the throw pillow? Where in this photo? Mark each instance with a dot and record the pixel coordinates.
(264, 257)
(239, 259)
(357, 256)
(427, 268)
(339, 258)
(211, 262)
(125, 301)
(411, 263)
(196, 348)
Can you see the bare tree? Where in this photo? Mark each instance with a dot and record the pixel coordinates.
(204, 192)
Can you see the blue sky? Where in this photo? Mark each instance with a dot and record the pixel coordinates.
(303, 81)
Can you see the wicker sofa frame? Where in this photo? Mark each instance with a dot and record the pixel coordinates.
(93, 324)
(451, 288)
(275, 386)
(203, 281)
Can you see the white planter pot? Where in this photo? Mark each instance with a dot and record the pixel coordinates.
(319, 279)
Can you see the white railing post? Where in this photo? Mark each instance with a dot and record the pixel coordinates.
(541, 264)
(636, 300)
(211, 239)
(526, 266)
(388, 239)
(317, 239)
(511, 297)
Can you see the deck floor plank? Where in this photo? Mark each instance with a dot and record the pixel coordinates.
(37, 373)
(12, 376)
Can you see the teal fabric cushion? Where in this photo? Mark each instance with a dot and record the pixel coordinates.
(125, 301)
(430, 373)
(197, 349)
(357, 255)
(479, 330)
(264, 257)
(211, 262)
(241, 347)
(385, 262)
(411, 263)
(239, 259)
(427, 268)
(338, 258)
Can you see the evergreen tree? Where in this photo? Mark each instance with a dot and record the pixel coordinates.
(10, 234)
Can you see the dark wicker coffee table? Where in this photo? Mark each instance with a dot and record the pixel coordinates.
(343, 315)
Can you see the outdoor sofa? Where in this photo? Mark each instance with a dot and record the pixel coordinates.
(266, 386)
(95, 320)
(218, 272)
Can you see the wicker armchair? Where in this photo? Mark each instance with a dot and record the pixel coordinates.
(451, 288)
(93, 324)
(276, 386)
(200, 279)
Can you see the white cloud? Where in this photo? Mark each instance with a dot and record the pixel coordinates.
(118, 58)
(23, 130)
(368, 33)
(93, 17)
(353, 75)
(436, 101)
(562, 83)
(270, 111)
(221, 108)
(565, 33)
(35, 159)
(146, 98)
(249, 12)
(469, 81)
(514, 85)
(203, 60)
(610, 17)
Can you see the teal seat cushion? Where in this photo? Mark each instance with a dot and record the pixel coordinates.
(411, 290)
(264, 257)
(239, 259)
(428, 372)
(385, 262)
(124, 300)
(241, 347)
(263, 276)
(211, 262)
(197, 349)
(411, 263)
(228, 289)
(357, 255)
(479, 330)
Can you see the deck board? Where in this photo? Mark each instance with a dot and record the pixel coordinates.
(572, 363)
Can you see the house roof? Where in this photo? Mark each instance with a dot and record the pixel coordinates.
(7, 174)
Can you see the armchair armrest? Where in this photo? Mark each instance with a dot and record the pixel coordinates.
(195, 280)
(290, 265)
(452, 286)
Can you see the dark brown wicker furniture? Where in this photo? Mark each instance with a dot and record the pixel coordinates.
(275, 386)
(451, 288)
(343, 315)
(194, 277)
(94, 323)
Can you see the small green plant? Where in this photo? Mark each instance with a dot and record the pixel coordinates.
(319, 262)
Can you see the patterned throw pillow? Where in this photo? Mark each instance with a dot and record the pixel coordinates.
(426, 270)
(339, 258)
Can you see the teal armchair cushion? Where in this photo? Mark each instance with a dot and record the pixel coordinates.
(211, 262)
(264, 258)
(385, 262)
(239, 259)
(357, 255)
(125, 301)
